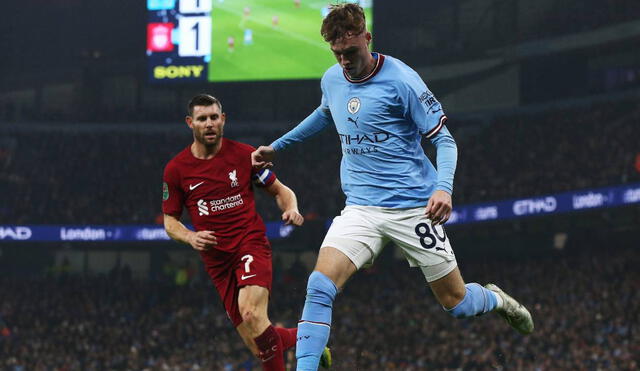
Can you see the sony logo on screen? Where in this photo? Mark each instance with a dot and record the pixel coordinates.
(152, 234)
(177, 72)
(15, 233)
(82, 234)
(535, 206)
(588, 200)
(486, 213)
(631, 195)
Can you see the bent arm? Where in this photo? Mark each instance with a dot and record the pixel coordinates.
(176, 230)
(200, 240)
(287, 202)
(285, 197)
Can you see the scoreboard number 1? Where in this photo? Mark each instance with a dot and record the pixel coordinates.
(195, 36)
(195, 6)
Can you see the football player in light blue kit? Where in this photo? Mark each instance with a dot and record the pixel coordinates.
(381, 109)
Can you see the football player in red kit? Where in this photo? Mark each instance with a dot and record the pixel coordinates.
(213, 178)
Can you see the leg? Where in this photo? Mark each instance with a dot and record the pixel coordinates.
(334, 264)
(353, 240)
(427, 246)
(468, 300)
(252, 303)
(256, 329)
(288, 336)
(462, 300)
(333, 269)
(449, 290)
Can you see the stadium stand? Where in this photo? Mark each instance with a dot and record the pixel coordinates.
(585, 312)
(114, 175)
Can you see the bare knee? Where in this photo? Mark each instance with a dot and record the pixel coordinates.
(334, 264)
(252, 305)
(450, 289)
(250, 316)
(451, 298)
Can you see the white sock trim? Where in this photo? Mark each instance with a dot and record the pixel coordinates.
(499, 300)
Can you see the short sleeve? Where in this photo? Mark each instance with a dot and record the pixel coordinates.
(421, 106)
(172, 194)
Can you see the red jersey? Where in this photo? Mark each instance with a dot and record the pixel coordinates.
(218, 193)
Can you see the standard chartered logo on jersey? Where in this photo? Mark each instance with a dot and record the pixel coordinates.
(204, 207)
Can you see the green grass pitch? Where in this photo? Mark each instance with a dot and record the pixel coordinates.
(292, 49)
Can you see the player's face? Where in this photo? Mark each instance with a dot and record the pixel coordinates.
(352, 53)
(207, 124)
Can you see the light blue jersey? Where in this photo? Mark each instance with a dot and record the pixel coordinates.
(380, 121)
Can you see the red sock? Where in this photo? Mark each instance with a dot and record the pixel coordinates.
(270, 347)
(288, 336)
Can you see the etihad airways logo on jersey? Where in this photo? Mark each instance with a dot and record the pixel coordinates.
(207, 207)
(348, 140)
(378, 137)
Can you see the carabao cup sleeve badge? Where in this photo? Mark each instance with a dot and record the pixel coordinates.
(165, 191)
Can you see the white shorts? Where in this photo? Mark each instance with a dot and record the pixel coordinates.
(361, 232)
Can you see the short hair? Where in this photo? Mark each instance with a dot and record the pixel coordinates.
(342, 20)
(203, 100)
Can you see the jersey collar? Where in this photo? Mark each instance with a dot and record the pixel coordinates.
(376, 69)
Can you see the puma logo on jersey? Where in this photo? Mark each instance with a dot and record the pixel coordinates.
(355, 122)
(233, 176)
(192, 187)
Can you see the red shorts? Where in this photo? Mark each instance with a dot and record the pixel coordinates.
(230, 271)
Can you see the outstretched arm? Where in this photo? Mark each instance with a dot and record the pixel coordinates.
(200, 240)
(287, 202)
(313, 124)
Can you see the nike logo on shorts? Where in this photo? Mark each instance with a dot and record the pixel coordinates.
(243, 277)
(192, 187)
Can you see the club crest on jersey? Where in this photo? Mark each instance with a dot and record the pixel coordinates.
(234, 178)
(353, 106)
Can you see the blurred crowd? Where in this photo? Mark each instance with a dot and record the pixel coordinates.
(538, 153)
(573, 16)
(586, 308)
(108, 175)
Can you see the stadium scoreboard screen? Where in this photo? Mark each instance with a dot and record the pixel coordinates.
(231, 40)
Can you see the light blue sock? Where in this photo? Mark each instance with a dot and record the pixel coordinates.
(477, 301)
(315, 325)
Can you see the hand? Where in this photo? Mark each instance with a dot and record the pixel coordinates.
(262, 157)
(202, 240)
(439, 207)
(292, 217)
